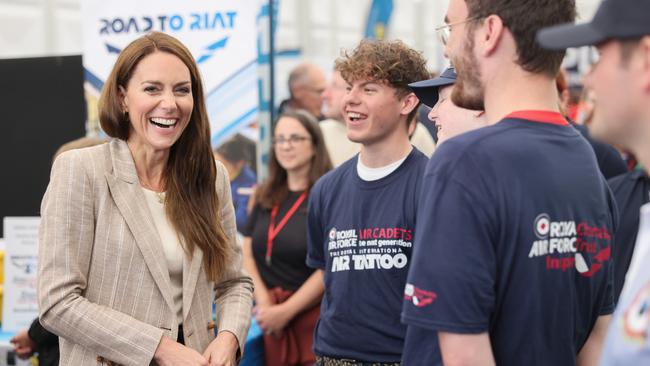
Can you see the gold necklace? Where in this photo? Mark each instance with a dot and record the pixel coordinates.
(161, 197)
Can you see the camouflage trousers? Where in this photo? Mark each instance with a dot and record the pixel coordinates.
(328, 361)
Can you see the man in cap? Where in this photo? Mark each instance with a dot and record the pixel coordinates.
(511, 255)
(621, 81)
(450, 120)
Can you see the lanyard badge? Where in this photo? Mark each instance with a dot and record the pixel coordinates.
(274, 230)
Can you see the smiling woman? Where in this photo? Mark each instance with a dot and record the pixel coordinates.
(139, 231)
(158, 101)
(287, 292)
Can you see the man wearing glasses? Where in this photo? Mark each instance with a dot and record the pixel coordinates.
(515, 224)
(362, 214)
(621, 81)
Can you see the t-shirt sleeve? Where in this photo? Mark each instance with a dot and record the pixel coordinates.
(247, 230)
(315, 249)
(451, 281)
(609, 303)
(609, 160)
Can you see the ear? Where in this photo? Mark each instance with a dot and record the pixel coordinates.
(121, 93)
(298, 91)
(409, 102)
(491, 34)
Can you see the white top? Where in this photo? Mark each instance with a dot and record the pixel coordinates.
(642, 245)
(422, 140)
(172, 247)
(627, 341)
(339, 147)
(370, 174)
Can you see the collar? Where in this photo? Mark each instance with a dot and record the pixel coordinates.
(550, 117)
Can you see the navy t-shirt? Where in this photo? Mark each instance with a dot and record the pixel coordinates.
(631, 192)
(609, 159)
(361, 234)
(514, 238)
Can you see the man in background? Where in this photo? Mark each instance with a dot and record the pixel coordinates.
(335, 134)
(306, 85)
(234, 156)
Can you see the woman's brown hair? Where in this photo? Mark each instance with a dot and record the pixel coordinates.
(276, 188)
(191, 201)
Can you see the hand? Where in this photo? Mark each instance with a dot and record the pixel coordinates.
(222, 351)
(262, 299)
(24, 347)
(171, 353)
(273, 319)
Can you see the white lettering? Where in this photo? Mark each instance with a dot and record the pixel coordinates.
(563, 228)
(379, 261)
(562, 245)
(340, 264)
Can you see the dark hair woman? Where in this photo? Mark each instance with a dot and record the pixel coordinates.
(287, 292)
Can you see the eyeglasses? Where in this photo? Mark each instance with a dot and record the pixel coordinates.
(444, 31)
(292, 140)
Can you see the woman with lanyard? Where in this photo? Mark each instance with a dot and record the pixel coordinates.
(287, 292)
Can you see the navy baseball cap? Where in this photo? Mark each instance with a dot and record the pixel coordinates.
(615, 19)
(427, 90)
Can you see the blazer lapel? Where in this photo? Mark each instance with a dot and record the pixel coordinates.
(130, 200)
(191, 272)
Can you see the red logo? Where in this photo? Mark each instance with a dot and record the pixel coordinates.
(418, 297)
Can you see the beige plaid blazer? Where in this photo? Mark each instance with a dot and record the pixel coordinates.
(103, 282)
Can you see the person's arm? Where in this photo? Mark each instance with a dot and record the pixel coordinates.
(41, 336)
(261, 293)
(590, 352)
(308, 295)
(234, 292)
(275, 318)
(465, 349)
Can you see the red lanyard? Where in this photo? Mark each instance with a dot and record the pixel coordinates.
(274, 230)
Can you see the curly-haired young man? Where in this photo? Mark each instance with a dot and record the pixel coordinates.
(362, 214)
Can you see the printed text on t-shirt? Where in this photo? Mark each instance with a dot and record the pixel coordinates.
(369, 248)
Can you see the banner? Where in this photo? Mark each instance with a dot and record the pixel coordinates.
(378, 19)
(20, 304)
(222, 36)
